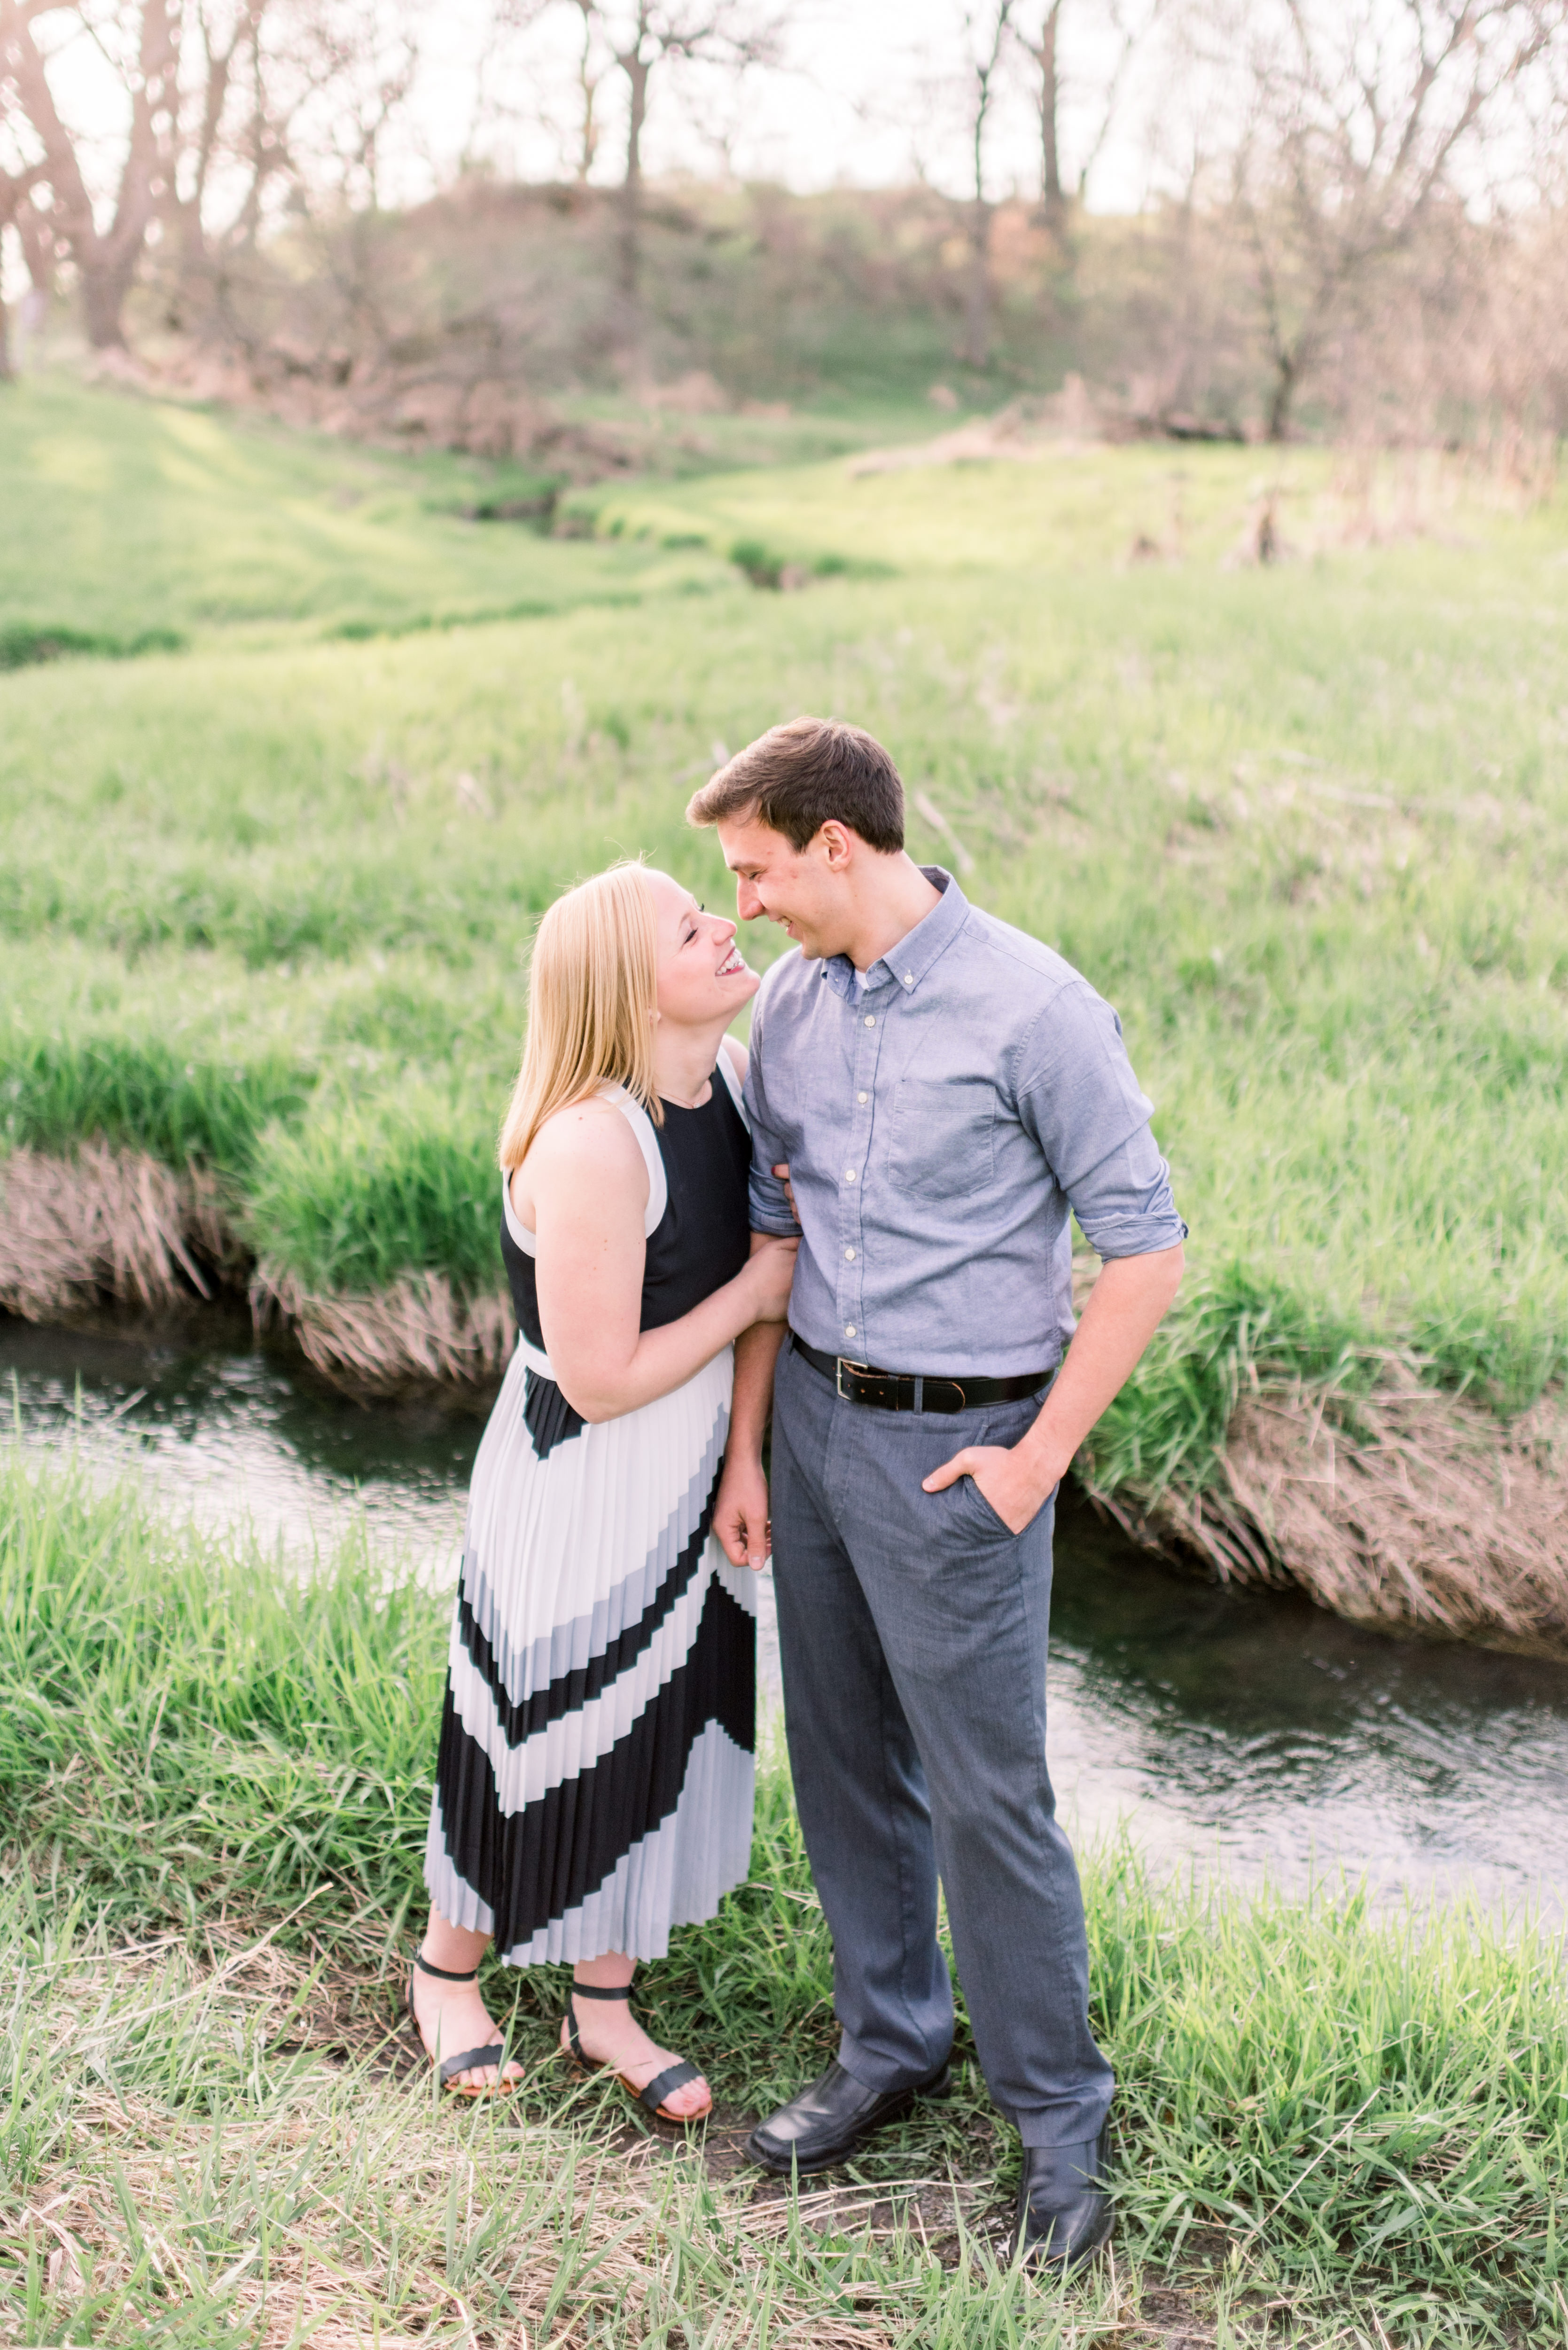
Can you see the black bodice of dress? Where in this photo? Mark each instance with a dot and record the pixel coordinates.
(703, 1237)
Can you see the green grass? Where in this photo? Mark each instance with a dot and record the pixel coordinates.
(1336, 2114)
(1070, 507)
(133, 523)
(1306, 826)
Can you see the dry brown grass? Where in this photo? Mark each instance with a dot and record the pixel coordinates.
(106, 1225)
(235, 2150)
(340, 2201)
(417, 1329)
(117, 1227)
(1405, 1507)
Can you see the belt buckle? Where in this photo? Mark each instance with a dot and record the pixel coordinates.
(844, 1364)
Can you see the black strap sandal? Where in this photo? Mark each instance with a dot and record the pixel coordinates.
(470, 2059)
(674, 2076)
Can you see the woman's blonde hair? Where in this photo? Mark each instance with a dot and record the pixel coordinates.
(593, 986)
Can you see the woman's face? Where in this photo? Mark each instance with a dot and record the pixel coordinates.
(702, 976)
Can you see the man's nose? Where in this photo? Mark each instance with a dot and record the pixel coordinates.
(747, 901)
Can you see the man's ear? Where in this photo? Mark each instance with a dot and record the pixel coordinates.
(837, 844)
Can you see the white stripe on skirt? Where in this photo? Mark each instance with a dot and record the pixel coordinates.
(562, 1556)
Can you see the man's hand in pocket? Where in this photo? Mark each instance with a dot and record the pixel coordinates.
(1009, 1477)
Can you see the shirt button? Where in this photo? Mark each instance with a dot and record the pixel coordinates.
(908, 978)
(870, 1020)
(849, 1174)
(849, 1329)
(849, 1257)
(860, 1097)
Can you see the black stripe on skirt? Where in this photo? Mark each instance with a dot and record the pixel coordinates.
(532, 1866)
(521, 1717)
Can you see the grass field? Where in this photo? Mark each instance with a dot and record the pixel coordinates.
(214, 1777)
(266, 900)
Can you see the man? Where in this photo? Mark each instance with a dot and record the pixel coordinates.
(932, 1091)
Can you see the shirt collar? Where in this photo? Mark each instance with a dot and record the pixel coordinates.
(907, 964)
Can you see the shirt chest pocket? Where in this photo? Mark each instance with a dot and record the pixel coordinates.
(943, 1138)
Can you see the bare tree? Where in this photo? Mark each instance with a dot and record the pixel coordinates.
(229, 44)
(143, 42)
(1128, 25)
(222, 99)
(590, 130)
(642, 39)
(1355, 121)
(986, 38)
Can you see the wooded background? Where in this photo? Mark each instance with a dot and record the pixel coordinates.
(1349, 215)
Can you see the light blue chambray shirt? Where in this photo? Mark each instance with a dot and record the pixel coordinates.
(940, 1121)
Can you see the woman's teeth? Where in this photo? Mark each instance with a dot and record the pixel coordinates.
(733, 961)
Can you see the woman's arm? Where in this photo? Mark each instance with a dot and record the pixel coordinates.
(588, 1187)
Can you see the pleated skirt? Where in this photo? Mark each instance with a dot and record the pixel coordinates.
(594, 1781)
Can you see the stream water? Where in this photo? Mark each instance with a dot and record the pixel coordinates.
(1247, 1732)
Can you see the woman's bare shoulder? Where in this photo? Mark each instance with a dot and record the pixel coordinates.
(587, 1138)
(739, 1056)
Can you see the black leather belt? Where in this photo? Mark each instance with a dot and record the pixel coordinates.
(913, 1391)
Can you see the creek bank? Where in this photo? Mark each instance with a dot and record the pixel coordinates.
(1404, 1506)
(221, 1768)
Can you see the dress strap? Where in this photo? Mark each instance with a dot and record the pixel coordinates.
(732, 1078)
(515, 1224)
(641, 1125)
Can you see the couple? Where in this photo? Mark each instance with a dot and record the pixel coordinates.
(929, 1092)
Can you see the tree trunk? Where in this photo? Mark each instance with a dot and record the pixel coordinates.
(636, 68)
(977, 294)
(105, 285)
(13, 200)
(1052, 198)
(588, 84)
(1283, 394)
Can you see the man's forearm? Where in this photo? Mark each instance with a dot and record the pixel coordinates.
(1125, 1309)
(756, 1352)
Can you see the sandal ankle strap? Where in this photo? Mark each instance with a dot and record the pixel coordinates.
(441, 1974)
(592, 1991)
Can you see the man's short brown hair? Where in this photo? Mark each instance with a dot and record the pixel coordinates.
(797, 778)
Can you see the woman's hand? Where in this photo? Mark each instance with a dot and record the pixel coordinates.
(771, 1271)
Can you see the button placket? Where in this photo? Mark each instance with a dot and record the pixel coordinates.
(868, 1029)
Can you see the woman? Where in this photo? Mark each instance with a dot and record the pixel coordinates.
(594, 1783)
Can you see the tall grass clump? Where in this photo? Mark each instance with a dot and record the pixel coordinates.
(143, 1093)
(1334, 2111)
(187, 1727)
(358, 1196)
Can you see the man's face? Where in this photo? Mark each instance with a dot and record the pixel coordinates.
(804, 890)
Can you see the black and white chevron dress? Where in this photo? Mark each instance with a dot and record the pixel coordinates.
(594, 1776)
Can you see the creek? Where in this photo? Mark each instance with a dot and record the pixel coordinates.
(1244, 1732)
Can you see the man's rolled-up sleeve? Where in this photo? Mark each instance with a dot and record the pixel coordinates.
(1079, 1099)
(769, 1202)
(1125, 1205)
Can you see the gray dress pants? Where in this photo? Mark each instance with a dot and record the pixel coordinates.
(912, 1633)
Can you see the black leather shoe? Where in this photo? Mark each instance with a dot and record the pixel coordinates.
(825, 2124)
(1063, 2213)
